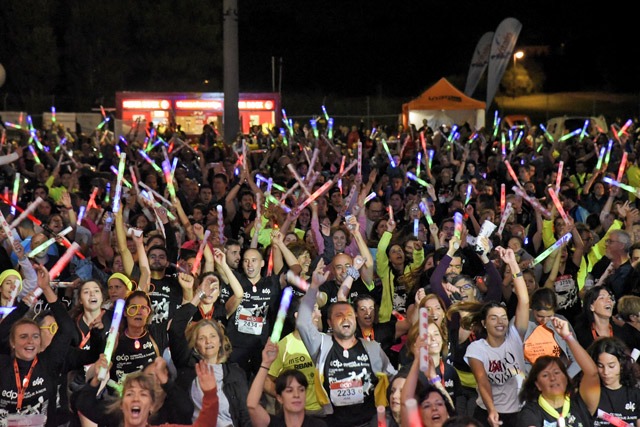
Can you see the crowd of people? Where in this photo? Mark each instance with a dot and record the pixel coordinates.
(311, 277)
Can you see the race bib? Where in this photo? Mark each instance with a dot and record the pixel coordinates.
(347, 392)
(17, 420)
(248, 324)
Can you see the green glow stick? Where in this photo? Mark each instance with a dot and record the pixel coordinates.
(386, 148)
(570, 135)
(420, 181)
(607, 156)
(285, 301)
(425, 211)
(600, 158)
(561, 242)
(546, 133)
(626, 187)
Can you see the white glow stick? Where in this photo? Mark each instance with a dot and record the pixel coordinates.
(416, 226)
(359, 158)
(81, 213)
(220, 224)
(16, 190)
(44, 245)
(505, 216)
(7, 229)
(113, 335)
(560, 242)
(294, 172)
(14, 292)
(532, 201)
(155, 194)
(424, 351)
(558, 204)
(118, 193)
(32, 207)
(285, 301)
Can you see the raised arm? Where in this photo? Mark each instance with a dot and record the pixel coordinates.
(259, 415)
(521, 321)
(366, 272)
(221, 264)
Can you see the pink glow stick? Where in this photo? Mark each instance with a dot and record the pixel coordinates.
(559, 176)
(532, 201)
(424, 351)
(6, 228)
(413, 415)
(220, 224)
(92, 199)
(503, 197)
(512, 173)
(196, 263)
(344, 159)
(25, 213)
(64, 261)
(297, 281)
(612, 419)
(623, 165)
(558, 205)
(359, 158)
(294, 172)
(390, 209)
(505, 216)
(382, 416)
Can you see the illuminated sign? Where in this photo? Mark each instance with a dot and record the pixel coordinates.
(256, 105)
(199, 104)
(146, 104)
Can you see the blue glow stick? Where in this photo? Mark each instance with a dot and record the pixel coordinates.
(431, 154)
(546, 133)
(326, 115)
(113, 335)
(416, 226)
(330, 129)
(386, 148)
(314, 126)
(418, 162)
(420, 181)
(584, 130)
(371, 196)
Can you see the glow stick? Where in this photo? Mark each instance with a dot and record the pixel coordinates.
(558, 204)
(420, 181)
(505, 216)
(512, 173)
(390, 210)
(398, 316)
(419, 161)
(107, 193)
(360, 158)
(612, 419)
(496, 128)
(63, 261)
(495, 118)
(504, 146)
(298, 281)
(270, 263)
(7, 229)
(607, 156)
(424, 335)
(44, 245)
(196, 263)
(503, 197)
(124, 180)
(81, 213)
(92, 199)
(325, 187)
(285, 301)
(294, 172)
(53, 114)
(289, 192)
(386, 148)
(425, 211)
(570, 135)
(314, 126)
(25, 213)
(151, 162)
(134, 179)
(382, 416)
(561, 241)
(532, 201)
(155, 194)
(326, 115)
(312, 162)
(468, 196)
(584, 130)
(431, 154)
(457, 220)
(16, 190)
(112, 337)
(14, 292)
(624, 128)
(626, 187)
(35, 154)
(600, 157)
(330, 129)
(370, 197)
(220, 224)
(416, 227)
(118, 193)
(623, 165)
(411, 406)
(559, 175)
(344, 158)
(546, 133)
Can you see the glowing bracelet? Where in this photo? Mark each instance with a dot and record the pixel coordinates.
(558, 205)
(63, 261)
(285, 301)
(25, 213)
(424, 335)
(560, 242)
(623, 165)
(113, 336)
(196, 262)
(532, 201)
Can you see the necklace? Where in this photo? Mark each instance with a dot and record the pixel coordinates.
(553, 412)
(136, 343)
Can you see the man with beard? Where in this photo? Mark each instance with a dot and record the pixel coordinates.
(165, 293)
(232, 254)
(243, 217)
(350, 368)
(250, 326)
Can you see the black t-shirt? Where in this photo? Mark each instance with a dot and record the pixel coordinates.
(623, 403)
(166, 298)
(331, 288)
(533, 415)
(350, 383)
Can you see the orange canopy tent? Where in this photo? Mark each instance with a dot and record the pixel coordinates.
(443, 101)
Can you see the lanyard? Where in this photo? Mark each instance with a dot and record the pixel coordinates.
(552, 411)
(22, 385)
(85, 338)
(595, 334)
(206, 315)
(442, 372)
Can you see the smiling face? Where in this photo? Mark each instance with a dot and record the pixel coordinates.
(304, 260)
(365, 313)
(293, 397)
(339, 240)
(26, 341)
(609, 370)
(551, 381)
(252, 262)
(433, 410)
(435, 310)
(136, 405)
(208, 343)
(91, 296)
(396, 391)
(435, 339)
(603, 305)
(497, 322)
(343, 321)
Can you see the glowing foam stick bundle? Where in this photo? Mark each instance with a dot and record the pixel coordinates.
(558, 205)
(626, 187)
(505, 216)
(297, 281)
(386, 148)
(285, 301)
(63, 261)
(420, 181)
(360, 158)
(16, 190)
(612, 419)
(44, 245)
(559, 175)
(220, 224)
(382, 416)
(503, 197)
(532, 201)
(6, 228)
(25, 213)
(424, 335)
(425, 211)
(512, 173)
(623, 165)
(561, 241)
(196, 263)
(113, 336)
(118, 193)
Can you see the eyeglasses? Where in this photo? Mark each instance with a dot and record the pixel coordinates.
(465, 287)
(134, 309)
(53, 328)
(609, 241)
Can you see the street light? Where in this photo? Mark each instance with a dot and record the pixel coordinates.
(517, 55)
